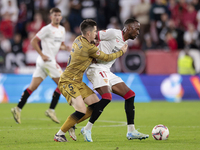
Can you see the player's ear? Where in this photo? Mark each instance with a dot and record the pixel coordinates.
(129, 27)
(88, 33)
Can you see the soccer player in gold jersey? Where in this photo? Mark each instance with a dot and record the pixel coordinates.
(76, 92)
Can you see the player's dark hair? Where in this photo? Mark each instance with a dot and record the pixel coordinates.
(56, 10)
(86, 25)
(131, 20)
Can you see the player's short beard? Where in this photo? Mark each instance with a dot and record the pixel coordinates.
(131, 37)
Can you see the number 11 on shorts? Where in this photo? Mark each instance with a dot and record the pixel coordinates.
(103, 74)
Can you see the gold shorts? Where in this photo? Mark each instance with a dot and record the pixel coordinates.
(71, 89)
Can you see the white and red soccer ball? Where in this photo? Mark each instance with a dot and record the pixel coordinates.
(160, 132)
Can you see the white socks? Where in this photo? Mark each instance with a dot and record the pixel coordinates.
(19, 109)
(60, 132)
(130, 127)
(88, 126)
(53, 110)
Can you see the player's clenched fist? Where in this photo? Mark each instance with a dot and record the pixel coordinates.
(124, 48)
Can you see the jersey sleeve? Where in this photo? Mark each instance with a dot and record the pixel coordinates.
(43, 33)
(106, 35)
(94, 52)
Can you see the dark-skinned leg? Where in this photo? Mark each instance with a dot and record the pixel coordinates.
(124, 91)
(129, 96)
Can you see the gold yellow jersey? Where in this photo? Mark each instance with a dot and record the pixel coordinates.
(81, 57)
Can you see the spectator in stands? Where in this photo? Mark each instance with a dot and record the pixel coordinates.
(11, 8)
(198, 21)
(171, 42)
(16, 43)
(177, 9)
(63, 5)
(125, 9)
(41, 6)
(177, 33)
(162, 28)
(191, 36)
(75, 17)
(157, 9)
(114, 23)
(189, 16)
(7, 26)
(101, 15)
(141, 13)
(88, 10)
(196, 4)
(110, 10)
(29, 8)
(147, 44)
(26, 45)
(134, 45)
(22, 19)
(5, 44)
(36, 24)
(2, 59)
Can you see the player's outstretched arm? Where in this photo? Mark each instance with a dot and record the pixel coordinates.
(96, 53)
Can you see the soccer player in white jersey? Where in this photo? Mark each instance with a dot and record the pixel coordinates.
(104, 81)
(52, 38)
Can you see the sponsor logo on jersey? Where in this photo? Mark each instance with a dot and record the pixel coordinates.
(106, 80)
(98, 52)
(57, 39)
(115, 49)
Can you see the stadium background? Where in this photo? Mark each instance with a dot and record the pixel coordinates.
(150, 68)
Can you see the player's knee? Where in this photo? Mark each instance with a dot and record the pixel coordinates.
(107, 96)
(129, 94)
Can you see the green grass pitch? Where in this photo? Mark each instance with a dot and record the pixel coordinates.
(109, 133)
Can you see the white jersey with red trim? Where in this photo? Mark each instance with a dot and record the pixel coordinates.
(111, 40)
(51, 38)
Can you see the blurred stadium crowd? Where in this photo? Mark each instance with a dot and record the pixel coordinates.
(170, 25)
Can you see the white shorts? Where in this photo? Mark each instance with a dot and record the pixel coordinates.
(102, 77)
(49, 68)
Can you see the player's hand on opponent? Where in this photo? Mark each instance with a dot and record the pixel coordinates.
(94, 60)
(124, 48)
(45, 58)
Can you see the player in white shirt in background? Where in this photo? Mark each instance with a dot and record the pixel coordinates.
(52, 38)
(104, 81)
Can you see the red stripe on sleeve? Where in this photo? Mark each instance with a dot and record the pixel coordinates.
(38, 37)
(99, 36)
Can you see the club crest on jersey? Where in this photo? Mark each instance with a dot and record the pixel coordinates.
(106, 80)
(98, 52)
(117, 40)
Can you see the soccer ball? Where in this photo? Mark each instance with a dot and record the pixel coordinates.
(160, 132)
